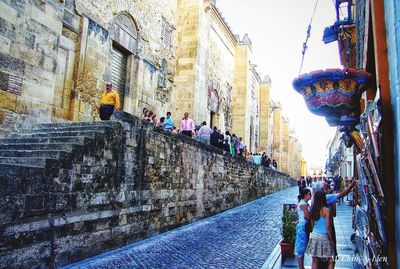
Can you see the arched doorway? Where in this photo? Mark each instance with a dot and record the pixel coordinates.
(124, 35)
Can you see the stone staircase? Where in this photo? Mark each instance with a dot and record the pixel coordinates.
(38, 166)
(48, 142)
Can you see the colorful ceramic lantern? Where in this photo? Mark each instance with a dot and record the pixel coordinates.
(334, 94)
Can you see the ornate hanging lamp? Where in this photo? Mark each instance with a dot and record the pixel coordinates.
(335, 93)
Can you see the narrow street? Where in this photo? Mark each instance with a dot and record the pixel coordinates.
(122, 120)
(243, 237)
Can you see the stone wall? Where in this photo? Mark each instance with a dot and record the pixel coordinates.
(29, 36)
(129, 184)
(55, 57)
(265, 115)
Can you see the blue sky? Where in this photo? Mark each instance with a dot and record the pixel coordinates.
(277, 30)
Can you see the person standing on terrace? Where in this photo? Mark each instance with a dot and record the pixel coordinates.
(109, 102)
(187, 125)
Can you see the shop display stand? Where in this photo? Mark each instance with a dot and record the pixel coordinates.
(370, 219)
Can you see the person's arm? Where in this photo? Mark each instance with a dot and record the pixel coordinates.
(306, 214)
(347, 190)
(328, 224)
(193, 127)
(200, 132)
(181, 127)
(117, 102)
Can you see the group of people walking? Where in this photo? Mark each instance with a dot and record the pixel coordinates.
(231, 143)
(315, 231)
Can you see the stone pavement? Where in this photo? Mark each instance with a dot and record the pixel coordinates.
(346, 257)
(242, 237)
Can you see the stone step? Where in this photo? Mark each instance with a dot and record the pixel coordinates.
(90, 134)
(60, 139)
(80, 123)
(14, 178)
(50, 154)
(25, 161)
(67, 128)
(48, 146)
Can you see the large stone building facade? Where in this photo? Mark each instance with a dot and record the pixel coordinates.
(58, 55)
(166, 55)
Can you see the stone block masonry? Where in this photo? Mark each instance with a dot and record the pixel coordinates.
(124, 181)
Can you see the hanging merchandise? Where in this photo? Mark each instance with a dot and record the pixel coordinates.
(377, 183)
(336, 95)
(356, 137)
(362, 231)
(370, 178)
(362, 185)
(378, 218)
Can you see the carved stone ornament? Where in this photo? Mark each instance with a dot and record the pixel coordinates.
(162, 77)
(162, 94)
(213, 102)
(227, 107)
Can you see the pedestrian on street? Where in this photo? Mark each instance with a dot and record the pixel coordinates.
(109, 102)
(274, 164)
(144, 113)
(241, 147)
(169, 123)
(321, 244)
(187, 125)
(264, 159)
(331, 200)
(221, 139)
(154, 119)
(204, 133)
(303, 213)
(268, 162)
(236, 145)
(227, 141)
(161, 123)
(256, 159)
(301, 184)
(249, 156)
(214, 137)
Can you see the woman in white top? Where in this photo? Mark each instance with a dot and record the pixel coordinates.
(303, 213)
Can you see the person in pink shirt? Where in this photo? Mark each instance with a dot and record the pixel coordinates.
(187, 125)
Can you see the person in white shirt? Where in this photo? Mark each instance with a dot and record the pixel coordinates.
(314, 185)
(204, 133)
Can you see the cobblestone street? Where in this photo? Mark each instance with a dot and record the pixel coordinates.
(239, 238)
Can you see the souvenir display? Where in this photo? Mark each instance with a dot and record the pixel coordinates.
(378, 218)
(362, 231)
(373, 136)
(375, 174)
(369, 220)
(356, 137)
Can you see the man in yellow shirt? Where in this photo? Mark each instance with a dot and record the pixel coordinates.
(109, 102)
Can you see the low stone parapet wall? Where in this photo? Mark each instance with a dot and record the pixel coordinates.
(158, 182)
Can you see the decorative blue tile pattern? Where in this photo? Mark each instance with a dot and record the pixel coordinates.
(242, 237)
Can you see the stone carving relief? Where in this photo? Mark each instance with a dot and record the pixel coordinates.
(86, 87)
(214, 99)
(227, 107)
(162, 82)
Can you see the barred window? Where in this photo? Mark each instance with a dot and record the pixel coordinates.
(166, 34)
